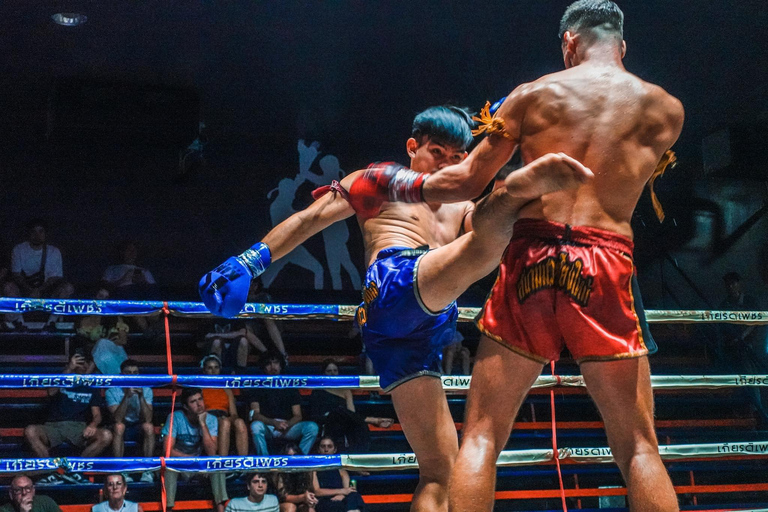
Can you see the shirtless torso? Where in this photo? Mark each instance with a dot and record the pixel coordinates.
(608, 119)
(413, 225)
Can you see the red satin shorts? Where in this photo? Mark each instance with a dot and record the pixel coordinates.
(562, 286)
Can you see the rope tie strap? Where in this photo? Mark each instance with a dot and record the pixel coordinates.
(490, 124)
(667, 160)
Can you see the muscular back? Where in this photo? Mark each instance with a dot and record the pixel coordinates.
(614, 123)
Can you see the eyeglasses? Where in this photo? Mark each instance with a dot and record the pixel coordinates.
(114, 484)
(22, 490)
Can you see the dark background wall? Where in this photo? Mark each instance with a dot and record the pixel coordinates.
(348, 74)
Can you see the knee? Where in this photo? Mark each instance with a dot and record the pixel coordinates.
(288, 507)
(216, 345)
(258, 428)
(32, 432)
(148, 429)
(119, 429)
(240, 427)
(311, 428)
(224, 423)
(243, 343)
(104, 436)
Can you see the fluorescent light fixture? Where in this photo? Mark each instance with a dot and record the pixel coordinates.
(69, 19)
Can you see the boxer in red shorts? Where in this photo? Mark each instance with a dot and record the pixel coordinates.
(563, 286)
(567, 286)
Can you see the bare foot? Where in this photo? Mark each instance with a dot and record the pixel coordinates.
(550, 173)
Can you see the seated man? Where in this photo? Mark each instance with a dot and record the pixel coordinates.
(257, 500)
(24, 499)
(194, 432)
(115, 488)
(131, 410)
(36, 272)
(276, 413)
(67, 420)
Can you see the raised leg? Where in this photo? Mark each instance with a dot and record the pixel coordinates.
(429, 428)
(500, 381)
(622, 391)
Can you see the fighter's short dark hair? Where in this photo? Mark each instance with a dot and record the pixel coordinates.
(586, 14)
(444, 124)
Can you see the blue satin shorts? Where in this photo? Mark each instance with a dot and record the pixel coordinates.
(402, 337)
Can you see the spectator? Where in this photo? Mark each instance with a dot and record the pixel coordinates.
(115, 487)
(109, 353)
(230, 343)
(332, 486)
(36, 272)
(743, 347)
(257, 500)
(90, 328)
(456, 349)
(194, 432)
(276, 413)
(67, 421)
(263, 327)
(221, 404)
(334, 411)
(131, 410)
(24, 499)
(128, 281)
(294, 489)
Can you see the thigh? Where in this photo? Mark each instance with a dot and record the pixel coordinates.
(72, 431)
(446, 272)
(427, 423)
(500, 382)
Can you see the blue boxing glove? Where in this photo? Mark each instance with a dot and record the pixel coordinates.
(224, 290)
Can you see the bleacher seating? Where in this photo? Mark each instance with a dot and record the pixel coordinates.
(683, 416)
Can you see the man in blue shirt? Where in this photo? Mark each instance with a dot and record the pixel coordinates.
(194, 432)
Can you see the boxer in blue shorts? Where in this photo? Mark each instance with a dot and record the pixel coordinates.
(411, 346)
(408, 312)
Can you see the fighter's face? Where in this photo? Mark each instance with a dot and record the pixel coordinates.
(431, 156)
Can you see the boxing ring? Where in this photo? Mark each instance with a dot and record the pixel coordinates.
(555, 455)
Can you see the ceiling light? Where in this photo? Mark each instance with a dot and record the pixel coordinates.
(69, 19)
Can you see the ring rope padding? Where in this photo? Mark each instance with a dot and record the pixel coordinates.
(312, 311)
(371, 462)
(369, 382)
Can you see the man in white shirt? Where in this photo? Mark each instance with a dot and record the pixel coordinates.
(36, 272)
(115, 488)
(257, 500)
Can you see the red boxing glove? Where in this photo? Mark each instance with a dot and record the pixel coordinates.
(385, 181)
